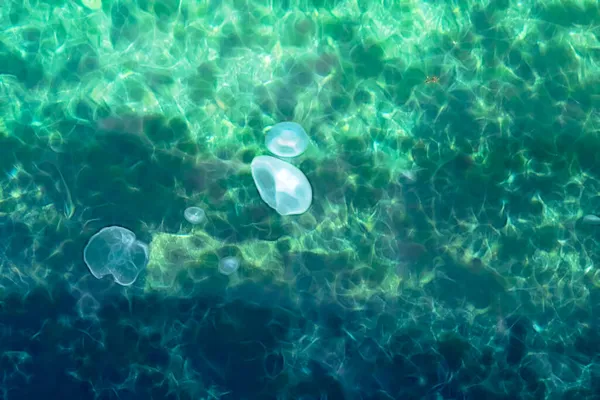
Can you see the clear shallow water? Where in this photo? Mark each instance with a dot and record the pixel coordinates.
(453, 158)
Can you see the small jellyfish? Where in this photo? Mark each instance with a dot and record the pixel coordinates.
(287, 139)
(194, 215)
(229, 265)
(88, 307)
(591, 220)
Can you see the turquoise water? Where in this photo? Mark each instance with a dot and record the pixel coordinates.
(450, 250)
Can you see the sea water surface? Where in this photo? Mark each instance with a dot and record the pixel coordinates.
(446, 246)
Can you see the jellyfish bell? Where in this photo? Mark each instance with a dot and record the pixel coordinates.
(115, 251)
(287, 139)
(194, 215)
(229, 265)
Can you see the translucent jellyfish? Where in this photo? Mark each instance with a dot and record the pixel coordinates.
(591, 220)
(287, 139)
(229, 265)
(281, 185)
(88, 306)
(115, 251)
(194, 215)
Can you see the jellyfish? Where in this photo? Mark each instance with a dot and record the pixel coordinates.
(115, 251)
(229, 265)
(287, 139)
(194, 215)
(281, 185)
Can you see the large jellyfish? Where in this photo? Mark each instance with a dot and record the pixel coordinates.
(281, 185)
(115, 251)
